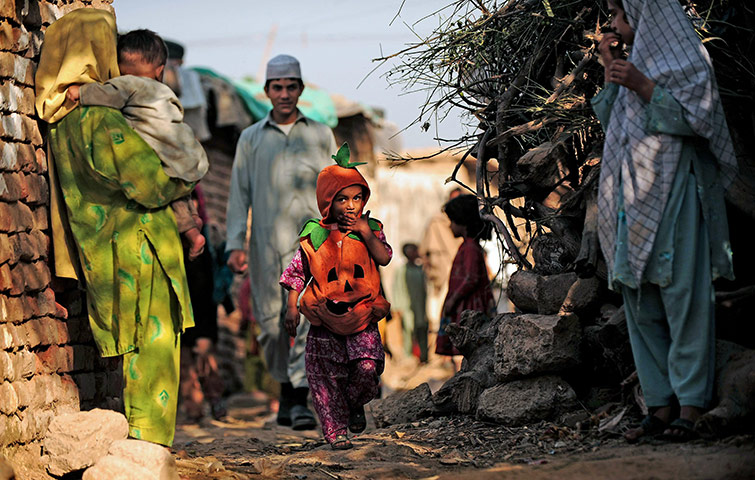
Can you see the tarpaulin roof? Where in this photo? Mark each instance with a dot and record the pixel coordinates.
(314, 102)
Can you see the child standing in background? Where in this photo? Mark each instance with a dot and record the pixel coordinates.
(468, 283)
(338, 262)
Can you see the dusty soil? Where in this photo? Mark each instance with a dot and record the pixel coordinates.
(248, 444)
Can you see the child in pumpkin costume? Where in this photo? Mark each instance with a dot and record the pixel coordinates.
(338, 262)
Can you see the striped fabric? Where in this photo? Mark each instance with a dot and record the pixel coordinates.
(666, 49)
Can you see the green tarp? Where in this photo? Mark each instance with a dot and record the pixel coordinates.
(314, 103)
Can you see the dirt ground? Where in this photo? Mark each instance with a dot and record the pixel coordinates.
(248, 444)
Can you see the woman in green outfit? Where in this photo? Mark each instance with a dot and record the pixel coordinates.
(111, 226)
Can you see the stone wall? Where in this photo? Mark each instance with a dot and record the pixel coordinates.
(48, 361)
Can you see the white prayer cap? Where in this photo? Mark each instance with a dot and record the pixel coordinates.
(283, 66)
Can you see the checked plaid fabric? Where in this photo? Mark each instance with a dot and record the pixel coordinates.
(641, 162)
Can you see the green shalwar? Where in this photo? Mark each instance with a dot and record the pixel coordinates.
(670, 314)
(116, 195)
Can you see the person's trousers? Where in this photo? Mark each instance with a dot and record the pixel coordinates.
(414, 331)
(338, 382)
(151, 372)
(284, 361)
(672, 328)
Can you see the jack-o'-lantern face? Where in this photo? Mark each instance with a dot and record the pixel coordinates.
(345, 288)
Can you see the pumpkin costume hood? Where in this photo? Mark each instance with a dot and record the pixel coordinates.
(334, 178)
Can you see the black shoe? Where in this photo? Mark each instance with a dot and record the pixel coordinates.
(302, 418)
(357, 420)
(285, 402)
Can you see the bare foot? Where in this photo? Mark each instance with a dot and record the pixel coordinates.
(197, 246)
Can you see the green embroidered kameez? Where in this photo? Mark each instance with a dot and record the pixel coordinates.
(116, 195)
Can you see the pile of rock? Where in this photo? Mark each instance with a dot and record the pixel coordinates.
(521, 368)
(95, 444)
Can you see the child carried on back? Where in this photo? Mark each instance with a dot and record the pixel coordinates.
(338, 262)
(152, 109)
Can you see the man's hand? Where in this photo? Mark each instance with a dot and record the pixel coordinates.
(292, 320)
(237, 261)
(72, 93)
(627, 75)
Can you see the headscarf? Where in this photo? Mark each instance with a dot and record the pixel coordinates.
(332, 180)
(79, 48)
(668, 51)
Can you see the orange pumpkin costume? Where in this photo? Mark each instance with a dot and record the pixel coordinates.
(344, 294)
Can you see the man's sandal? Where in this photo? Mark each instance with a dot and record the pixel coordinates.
(341, 442)
(650, 426)
(357, 420)
(680, 430)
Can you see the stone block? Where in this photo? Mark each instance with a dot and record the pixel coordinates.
(69, 392)
(402, 407)
(37, 276)
(142, 460)
(49, 12)
(10, 428)
(8, 398)
(522, 402)
(530, 344)
(57, 359)
(7, 252)
(16, 217)
(14, 98)
(543, 294)
(78, 440)
(37, 191)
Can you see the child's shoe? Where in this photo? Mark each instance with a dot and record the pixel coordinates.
(357, 420)
(341, 442)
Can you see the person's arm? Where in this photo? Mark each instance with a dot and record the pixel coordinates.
(294, 278)
(624, 73)
(292, 312)
(665, 115)
(108, 94)
(237, 211)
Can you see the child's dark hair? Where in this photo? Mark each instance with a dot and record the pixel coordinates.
(146, 43)
(463, 210)
(407, 247)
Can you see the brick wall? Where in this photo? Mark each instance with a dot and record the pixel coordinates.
(48, 362)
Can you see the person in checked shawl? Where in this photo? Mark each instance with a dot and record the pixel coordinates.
(667, 159)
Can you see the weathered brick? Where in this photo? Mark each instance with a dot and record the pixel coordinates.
(24, 392)
(39, 218)
(13, 186)
(46, 302)
(69, 392)
(11, 309)
(31, 309)
(15, 39)
(20, 128)
(49, 331)
(49, 12)
(9, 155)
(8, 9)
(18, 217)
(36, 189)
(10, 427)
(24, 364)
(18, 278)
(9, 336)
(6, 367)
(37, 276)
(16, 67)
(6, 249)
(6, 279)
(57, 359)
(25, 246)
(14, 98)
(8, 398)
(40, 158)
